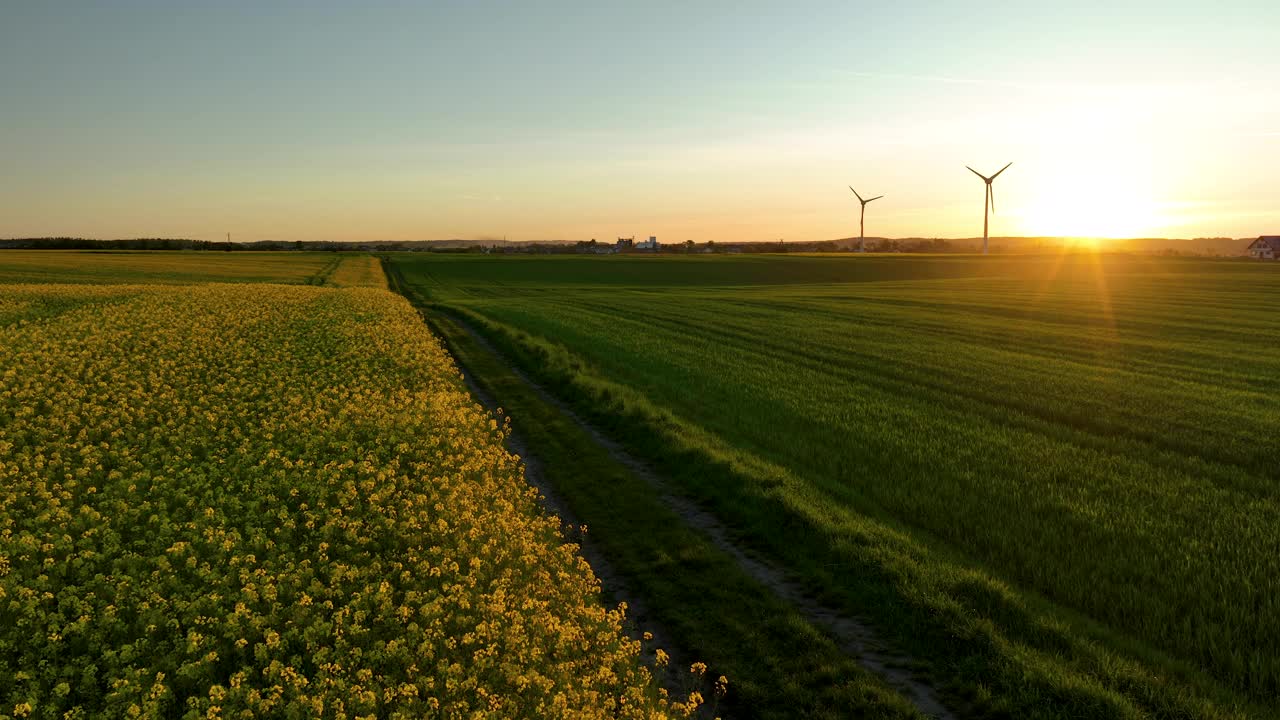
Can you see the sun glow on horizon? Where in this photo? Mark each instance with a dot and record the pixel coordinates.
(1123, 215)
(1102, 180)
(1093, 207)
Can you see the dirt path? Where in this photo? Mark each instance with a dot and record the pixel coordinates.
(614, 583)
(854, 636)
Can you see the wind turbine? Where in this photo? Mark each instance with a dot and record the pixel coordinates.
(989, 202)
(863, 219)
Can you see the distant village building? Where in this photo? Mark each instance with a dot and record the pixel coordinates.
(650, 244)
(626, 243)
(1266, 247)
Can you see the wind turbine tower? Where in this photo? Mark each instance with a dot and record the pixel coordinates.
(988, 203)
(862, 220)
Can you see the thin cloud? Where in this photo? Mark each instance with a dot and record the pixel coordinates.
(946, 79)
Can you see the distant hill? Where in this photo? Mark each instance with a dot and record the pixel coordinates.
(1219, 246)
(1199, 246)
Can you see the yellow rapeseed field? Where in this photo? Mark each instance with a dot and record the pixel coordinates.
(268, 500)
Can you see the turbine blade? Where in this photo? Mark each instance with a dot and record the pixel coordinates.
(876, 198)
(991, 196)
(975, 172)
(1006, 167)
(855, 193)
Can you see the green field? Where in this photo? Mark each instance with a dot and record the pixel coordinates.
(1054, 478)
(103, 267)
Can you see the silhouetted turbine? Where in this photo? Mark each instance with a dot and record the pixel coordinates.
(863, 219)
(988, 202)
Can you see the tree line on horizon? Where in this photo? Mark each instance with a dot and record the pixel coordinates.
(1217, 246)
(933, 245)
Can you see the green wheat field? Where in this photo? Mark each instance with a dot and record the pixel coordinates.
(1055, 476)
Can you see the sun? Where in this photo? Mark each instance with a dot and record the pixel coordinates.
(1091, 207)
(1093, 172)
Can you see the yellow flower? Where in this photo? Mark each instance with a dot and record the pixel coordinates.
(722, 686)
(285, 447)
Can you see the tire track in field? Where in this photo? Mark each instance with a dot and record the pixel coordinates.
(854, 636)
(322, 275)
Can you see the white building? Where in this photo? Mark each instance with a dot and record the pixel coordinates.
(1266, 247)
(650, 244)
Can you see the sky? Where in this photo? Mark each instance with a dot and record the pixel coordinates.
(705, 121)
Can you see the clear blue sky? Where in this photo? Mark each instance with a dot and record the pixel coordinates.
(557, 120)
